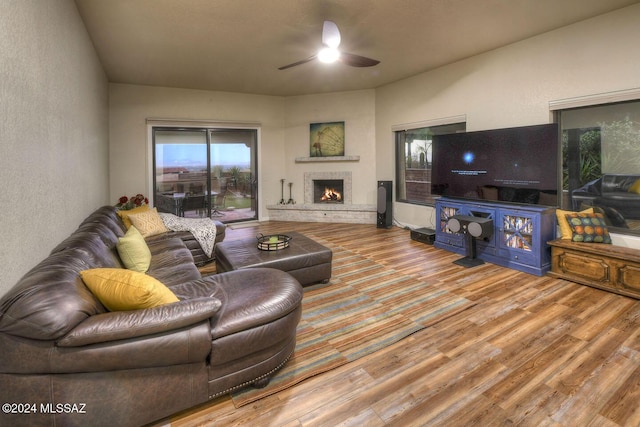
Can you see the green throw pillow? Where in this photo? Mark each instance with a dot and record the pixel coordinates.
(133, 251)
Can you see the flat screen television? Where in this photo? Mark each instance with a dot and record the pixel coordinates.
(516, 165)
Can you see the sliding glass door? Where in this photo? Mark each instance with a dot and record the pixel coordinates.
(206, 172)
(234, 184)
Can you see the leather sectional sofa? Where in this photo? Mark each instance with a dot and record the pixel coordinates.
(612, 191)
(65, 359)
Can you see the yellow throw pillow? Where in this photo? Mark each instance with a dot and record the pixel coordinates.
(565, 228)
(119, 289)
(148, 223)
(125, 214)
(635, 188)
(133, 251)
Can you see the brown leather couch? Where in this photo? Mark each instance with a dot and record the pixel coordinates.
(66, 360)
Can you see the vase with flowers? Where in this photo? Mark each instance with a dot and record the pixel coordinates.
(125, 203)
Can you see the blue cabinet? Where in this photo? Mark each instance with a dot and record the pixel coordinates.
(520, 236)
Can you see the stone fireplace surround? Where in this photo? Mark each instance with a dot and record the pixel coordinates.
(325, 212)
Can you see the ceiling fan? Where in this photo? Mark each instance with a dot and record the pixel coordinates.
(330, 53)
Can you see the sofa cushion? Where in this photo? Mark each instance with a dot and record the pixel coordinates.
(124, 325)
(171, 262)
(278, 293)
(107, 215)
(148, 223)
(124, 215)
(133, 251)
(120, 289)
(50, 299)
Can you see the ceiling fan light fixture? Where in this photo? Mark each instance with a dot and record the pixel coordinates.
(328, 55)
(330, 52)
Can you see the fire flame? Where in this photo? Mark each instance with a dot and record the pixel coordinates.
(331, 195)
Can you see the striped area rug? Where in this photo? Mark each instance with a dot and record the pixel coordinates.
(365, 307)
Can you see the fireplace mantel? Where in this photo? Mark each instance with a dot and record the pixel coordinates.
(328, 159)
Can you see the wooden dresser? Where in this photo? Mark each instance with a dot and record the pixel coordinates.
(612, 268)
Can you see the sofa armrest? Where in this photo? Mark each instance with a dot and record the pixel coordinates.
(119, 325)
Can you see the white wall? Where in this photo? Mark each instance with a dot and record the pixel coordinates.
(284, 134)
(357, 110)
(53, 132)
(512, 86)
(130, 106)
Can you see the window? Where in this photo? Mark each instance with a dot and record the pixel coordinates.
(601, 161)
(414, 163)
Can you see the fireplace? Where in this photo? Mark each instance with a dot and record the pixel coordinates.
(310, 210)
(328, 191)
(338, 181)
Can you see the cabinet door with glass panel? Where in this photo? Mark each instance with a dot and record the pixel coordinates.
(445, 210)
(518, 235)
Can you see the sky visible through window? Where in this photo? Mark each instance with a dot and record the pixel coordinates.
(194, 155)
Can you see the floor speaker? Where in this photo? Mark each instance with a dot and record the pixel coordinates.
(385, 204)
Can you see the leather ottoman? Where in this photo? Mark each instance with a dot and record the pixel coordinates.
(306, 260)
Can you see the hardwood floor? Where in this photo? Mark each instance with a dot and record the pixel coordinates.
(534, 351)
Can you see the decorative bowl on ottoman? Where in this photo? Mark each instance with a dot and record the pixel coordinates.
(274, 242)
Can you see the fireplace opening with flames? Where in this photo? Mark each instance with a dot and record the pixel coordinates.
(328, 191)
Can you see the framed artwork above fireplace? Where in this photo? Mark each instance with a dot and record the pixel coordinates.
(326, 139)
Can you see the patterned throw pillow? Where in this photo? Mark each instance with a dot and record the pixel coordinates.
(148, 223)
(125, 214)
(563, 224)
(588, 228)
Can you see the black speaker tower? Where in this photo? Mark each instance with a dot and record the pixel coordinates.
(385, 204)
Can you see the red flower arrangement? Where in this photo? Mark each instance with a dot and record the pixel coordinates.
(125, 203)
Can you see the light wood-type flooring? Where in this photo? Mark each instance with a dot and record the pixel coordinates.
(534, 351)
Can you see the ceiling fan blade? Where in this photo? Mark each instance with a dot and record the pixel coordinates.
(303, 61)
(357, 60)
(330, 34)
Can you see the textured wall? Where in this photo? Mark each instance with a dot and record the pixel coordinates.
(53, 130)
(357, 110)
(130, 144)
(284, 134)
(512, 86)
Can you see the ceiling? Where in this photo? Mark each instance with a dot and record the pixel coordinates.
(238, 45)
